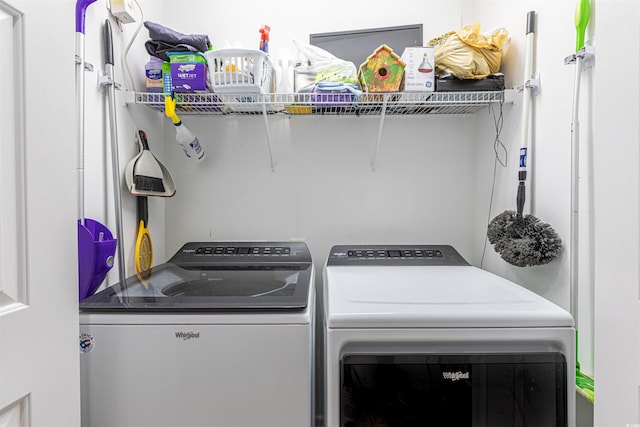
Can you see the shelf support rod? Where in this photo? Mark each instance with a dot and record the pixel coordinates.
(268, 132)
(385, 100)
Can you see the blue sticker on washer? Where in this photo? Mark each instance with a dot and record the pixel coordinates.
(87, 343)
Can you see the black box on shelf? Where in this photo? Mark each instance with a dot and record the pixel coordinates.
(451, 83)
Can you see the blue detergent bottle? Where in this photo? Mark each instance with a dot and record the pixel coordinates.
(153, 73)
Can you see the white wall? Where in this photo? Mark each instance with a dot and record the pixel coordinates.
(617, 212)
(323, 189)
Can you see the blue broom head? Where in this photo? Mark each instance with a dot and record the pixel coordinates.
(523, 241)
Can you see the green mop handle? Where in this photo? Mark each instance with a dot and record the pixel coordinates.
(583, 12)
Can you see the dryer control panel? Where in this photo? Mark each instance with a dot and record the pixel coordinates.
(389, 255)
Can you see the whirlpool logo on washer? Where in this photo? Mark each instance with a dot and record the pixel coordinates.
(455, 376)
(187, 335)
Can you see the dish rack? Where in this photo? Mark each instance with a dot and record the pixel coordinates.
(239, 77)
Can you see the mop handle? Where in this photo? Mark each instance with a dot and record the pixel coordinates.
(113, 132)
(526, 112)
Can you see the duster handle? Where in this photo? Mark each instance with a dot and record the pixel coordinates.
(526, 112)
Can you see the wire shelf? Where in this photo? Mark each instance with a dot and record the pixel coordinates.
(396, 103)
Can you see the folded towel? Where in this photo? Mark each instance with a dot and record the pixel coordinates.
(165, 40)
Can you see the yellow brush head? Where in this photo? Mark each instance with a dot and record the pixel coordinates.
(144, 251)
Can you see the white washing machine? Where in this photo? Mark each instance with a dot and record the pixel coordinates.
(416, 336)
(221, 335)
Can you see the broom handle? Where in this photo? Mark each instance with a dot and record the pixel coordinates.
(526, 113)
(81, 9)
(113, 133)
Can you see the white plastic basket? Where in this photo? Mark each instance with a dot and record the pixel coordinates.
(243, 78)
(239, 71)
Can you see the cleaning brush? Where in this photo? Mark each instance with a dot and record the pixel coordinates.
(145, 175)
(523, 241)
(148, 176)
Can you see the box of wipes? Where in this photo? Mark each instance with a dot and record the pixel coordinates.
(419, 73)
(188, 72)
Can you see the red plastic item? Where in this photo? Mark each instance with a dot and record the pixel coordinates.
(264, 38)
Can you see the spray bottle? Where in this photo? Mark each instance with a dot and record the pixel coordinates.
(185, 138)
(264, 38)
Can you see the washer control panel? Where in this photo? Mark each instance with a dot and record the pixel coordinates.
(247, 254)
(242, 250)
(387, 255)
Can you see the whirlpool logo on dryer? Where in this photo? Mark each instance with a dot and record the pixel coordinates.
(455, 376)
(187, 335)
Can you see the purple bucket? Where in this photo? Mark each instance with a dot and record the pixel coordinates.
(96, 250)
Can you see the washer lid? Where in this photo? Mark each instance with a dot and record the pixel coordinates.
(217, 277)
(432, 297)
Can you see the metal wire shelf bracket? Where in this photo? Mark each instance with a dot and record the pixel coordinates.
(268, 133)
(380, 126)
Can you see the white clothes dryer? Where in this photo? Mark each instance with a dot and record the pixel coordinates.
(414, 335)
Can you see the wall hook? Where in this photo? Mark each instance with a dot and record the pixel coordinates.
(105, 80)
(588, 56)
(533, 84)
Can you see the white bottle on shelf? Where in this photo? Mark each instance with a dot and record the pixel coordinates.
(188, 142)
(285, 74)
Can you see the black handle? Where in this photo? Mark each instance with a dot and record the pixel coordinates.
(108, 43)
(531, 22)
(143, 140)
(520, 197)
(143, 210)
